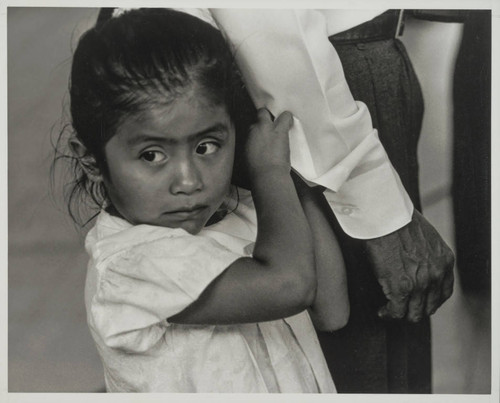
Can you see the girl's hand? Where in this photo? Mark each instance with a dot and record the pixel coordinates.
(279, 279)
(268, 146)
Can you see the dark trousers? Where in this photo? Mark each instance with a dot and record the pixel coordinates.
(471, 154)
(370, 355)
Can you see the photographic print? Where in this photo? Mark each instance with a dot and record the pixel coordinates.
(250, 200)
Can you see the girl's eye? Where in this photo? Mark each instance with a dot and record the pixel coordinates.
(208, 147)
(153, 156)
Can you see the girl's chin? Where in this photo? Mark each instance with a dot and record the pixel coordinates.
(192, 226)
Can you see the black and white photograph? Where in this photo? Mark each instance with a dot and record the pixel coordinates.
(251, 198)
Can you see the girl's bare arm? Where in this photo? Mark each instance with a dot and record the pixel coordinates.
(330, 309)
(279, 280)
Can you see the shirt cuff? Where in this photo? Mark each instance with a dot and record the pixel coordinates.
(372, 204)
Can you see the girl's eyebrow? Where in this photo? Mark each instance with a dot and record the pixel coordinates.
(142, 137)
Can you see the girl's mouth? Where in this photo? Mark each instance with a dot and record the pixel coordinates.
(186, 212)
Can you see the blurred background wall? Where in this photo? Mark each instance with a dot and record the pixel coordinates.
(50, 348)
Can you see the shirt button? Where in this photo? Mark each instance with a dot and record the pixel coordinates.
(346, 210)
(361, 46)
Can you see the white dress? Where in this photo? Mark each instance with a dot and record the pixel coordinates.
(140, 275)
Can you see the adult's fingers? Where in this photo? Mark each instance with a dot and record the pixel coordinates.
(449, 278)
(394, 309)
(419, 294)
(416, 306)
(441, 282)
(447, 289)
(398, 297)
(440, 293)
(433, 298)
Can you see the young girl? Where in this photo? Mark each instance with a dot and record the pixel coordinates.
(191, 287)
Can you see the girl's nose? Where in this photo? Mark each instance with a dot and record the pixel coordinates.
(187, 178)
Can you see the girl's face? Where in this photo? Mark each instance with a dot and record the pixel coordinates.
(171, 165)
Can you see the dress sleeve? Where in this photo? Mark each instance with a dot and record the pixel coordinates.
(288, 63)
(139, 288)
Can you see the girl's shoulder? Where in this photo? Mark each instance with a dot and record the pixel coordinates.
(140, 275)
(111, 235)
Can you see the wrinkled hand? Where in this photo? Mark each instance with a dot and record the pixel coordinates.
(414, 266)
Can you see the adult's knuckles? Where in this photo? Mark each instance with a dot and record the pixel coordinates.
(398, 312)
(405, 285)
(437, 273)
(423, 277)
(435, 286)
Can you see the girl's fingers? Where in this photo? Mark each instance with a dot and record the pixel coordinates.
(284, 122)
(264, 115)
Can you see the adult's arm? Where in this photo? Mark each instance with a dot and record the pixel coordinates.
(288, 63)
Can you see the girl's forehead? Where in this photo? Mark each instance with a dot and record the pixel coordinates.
(181, 118)
(190, 102)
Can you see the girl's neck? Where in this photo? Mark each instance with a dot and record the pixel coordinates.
(111, 210)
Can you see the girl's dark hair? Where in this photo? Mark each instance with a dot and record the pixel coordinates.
(142, 57)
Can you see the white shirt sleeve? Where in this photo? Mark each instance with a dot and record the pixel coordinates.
(288, 63)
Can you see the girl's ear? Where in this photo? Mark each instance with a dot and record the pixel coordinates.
(86, 160)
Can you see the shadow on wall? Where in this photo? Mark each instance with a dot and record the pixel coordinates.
(50, 347)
